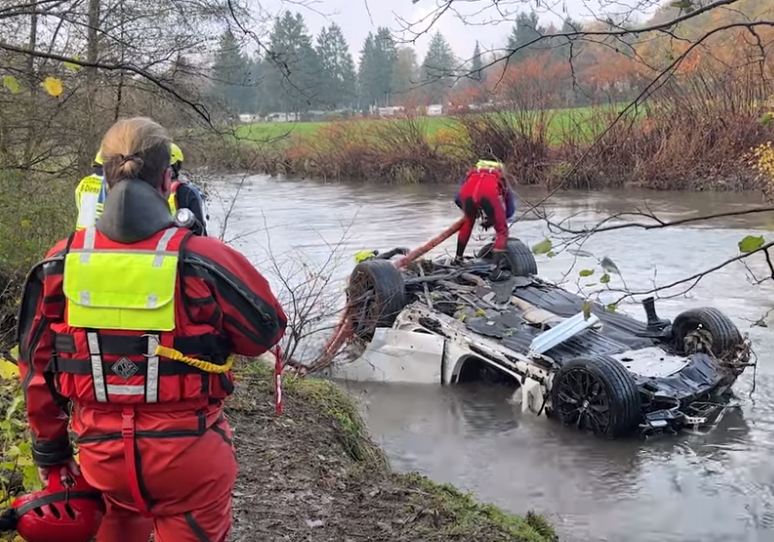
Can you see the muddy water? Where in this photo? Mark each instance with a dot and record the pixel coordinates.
(718, 487)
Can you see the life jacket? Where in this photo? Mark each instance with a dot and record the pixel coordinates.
(122, 301)
(477, 175)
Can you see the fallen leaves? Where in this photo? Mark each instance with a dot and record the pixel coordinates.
(12, 84)
(53, 86)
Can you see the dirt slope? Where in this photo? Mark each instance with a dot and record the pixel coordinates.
(314, 475)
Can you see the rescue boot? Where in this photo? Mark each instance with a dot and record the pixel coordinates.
(459, 257)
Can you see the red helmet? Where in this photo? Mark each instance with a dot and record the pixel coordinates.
(68, 512)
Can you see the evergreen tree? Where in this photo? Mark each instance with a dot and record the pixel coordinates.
(526, 29)
(437, 69)
(571, 25)
(367, 77)
(337, 70)
(256, 91)
(293, 68)
(231, 75)
(405, 73)
(386, 56)
(476, 71)
(377, 64)
(562, 45)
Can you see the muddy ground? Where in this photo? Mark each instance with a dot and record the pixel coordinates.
(314, 475)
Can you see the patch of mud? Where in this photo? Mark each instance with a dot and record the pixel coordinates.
(314, 475)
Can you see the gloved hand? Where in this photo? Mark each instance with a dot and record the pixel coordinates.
(70, 467)
(486, 223)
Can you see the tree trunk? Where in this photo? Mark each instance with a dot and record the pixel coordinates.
(120, 89)
(29, 147)
(92, 135)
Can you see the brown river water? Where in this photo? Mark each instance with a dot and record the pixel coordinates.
(688, 488)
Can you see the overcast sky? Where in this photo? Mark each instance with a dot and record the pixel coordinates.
(483, 23)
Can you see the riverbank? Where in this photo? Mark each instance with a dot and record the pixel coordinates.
(668, 145)
(313, 474)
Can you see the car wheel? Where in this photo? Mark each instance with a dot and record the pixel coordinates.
(598, 395)
(375, 296)
(521, 261)
(725, 335)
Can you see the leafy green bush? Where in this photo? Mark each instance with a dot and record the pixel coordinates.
(17, 472)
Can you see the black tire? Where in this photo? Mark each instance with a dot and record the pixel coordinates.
(725, 335)
(599, 381)
(521, 261)
(376, 294)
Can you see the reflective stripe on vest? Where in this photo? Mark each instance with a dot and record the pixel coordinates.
(102, 390)
(87, 200)
(121, 289)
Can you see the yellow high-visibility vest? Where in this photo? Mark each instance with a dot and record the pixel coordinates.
(89, 207)
(130, 289)
(87, 201)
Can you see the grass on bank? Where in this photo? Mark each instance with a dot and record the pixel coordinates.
(579, 120)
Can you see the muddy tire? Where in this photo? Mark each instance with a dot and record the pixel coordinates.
(596, 394)
(521, 261)
(725, 335)
(376, 295)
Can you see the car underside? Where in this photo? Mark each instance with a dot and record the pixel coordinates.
(570, 358)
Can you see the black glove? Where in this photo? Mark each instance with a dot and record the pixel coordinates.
(486, 224)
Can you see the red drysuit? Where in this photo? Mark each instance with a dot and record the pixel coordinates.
(483, 192)
(151, 432)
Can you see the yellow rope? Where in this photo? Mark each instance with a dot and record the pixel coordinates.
(200, 364)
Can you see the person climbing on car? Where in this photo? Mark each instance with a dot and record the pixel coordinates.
(484, 192)
(130, 327)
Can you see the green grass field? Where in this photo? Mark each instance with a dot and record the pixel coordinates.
(264, 131)
(585, 120)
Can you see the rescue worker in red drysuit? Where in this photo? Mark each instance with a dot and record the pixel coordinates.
(485, 192)
(151, 431)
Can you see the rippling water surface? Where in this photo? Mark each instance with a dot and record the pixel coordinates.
(718, 487)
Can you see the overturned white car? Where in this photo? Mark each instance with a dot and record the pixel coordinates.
(600, 371)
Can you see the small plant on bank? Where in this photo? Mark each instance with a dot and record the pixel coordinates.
(18, 474)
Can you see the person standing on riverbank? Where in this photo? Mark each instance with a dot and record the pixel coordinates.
(484, 192)
(135, 322)
(90, 195)
(185, 194)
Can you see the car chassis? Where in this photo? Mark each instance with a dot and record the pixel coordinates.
(572, 359)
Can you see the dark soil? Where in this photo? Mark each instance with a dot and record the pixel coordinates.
(314, 475)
